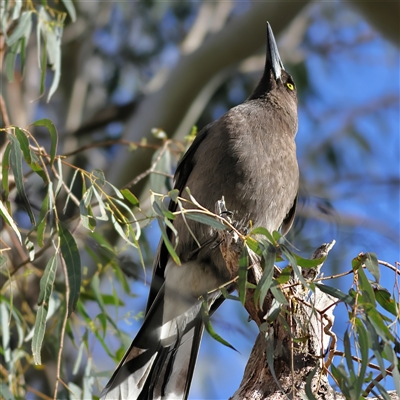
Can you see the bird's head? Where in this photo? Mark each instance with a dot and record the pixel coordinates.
(276, 84)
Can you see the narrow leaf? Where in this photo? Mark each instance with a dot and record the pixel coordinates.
(5, 167)
(363, 345)
(16, 165)
(69, 5)
(10, 61)
(20, 29)
(70, 253)
(47, 281)
(167, 243)
(24, 144)
(243, 265)
(384, 299)
(7, 217)
(38, 335)
(53, 136)
(205, 219)
(70, 190)
(335, 293)
(293, 262)
(365, 286)
(210, 329)
(267, 262)
(371, 262)
(99, 175)
(262, 231)
(130, 197)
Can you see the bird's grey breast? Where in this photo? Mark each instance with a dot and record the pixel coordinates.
(256, 166)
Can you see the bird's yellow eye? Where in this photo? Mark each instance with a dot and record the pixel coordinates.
(290, 86)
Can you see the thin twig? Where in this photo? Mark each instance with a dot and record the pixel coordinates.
(377, 379)
(64, 324)
(371, 365)
(110, 143)
(38, 394)
(151, 169)
(390, 266)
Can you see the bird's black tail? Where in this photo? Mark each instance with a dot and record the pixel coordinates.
(155, 367)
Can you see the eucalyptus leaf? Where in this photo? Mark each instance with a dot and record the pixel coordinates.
(70, 254)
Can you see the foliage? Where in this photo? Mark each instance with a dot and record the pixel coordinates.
(17, 19)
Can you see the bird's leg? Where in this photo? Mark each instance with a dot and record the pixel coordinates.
(229, 242)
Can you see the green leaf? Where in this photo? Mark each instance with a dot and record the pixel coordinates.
(95, 285)
(242, 281)
(363, 345)
(273, 312)
(103, 215)
(5, 391)
(308, 389)
(293, 262)
(309, 263)
(91, 325)
(376, 320)
(254, 245)
(60, 177)
(365, 286)
(167, 243)
(24, 144)
(16, 12)
(98, 174)
(5, 329)
(383, 297)
(207, 324)
(38, 336)
(10, 61)
(160, 209)
(43, 66)
(47, 281)
(285, 275)
(16, 166)
(262, 231)
(36, 167)
(347, 354)
(70, 254)
(270, 353)
(277, 293)
(341, 376)
(205, 219)
(24, 24)
(22, 49)
(86, 214)
(116, 191)
(371, 262)
(173, 194)
(267, 263)
(130, 197)
(53, 136)
(5, 167)
(338, 294)
(70, 190)
(69, 5)
(7, 217)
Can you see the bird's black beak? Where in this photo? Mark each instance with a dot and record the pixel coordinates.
(273, 61)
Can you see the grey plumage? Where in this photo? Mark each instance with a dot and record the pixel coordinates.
(249, 157)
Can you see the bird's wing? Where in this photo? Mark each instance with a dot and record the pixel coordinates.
(182, 173)
(288, 221)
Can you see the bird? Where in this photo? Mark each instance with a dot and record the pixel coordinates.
(248, 157)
